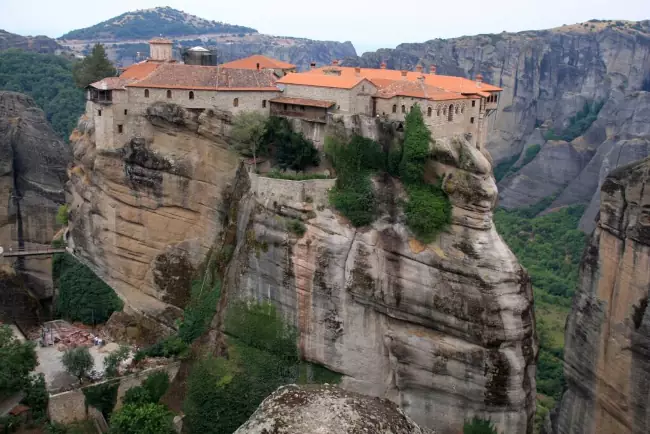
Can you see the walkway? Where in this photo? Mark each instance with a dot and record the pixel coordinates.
(43, 251)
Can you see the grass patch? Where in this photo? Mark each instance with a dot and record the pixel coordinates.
(297, 227)
(276, 174)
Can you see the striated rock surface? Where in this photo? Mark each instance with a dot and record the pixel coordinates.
(33, 162)
(326, 410)
(144, 216)
(607, 338)
(39, 44)
(444, 330)
(547, 77)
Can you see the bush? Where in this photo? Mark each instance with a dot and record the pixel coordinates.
(156, 385)
(137, 396)
(292, 150)
(102, 396)
(530, 154)
(82, 295)
(427, 211)
(113, 360)
(198, 313)
(356, 201)
(479, 426)
(78, 362)
(36, 397)
(294, 177)
(17, 360)
(142, 419)
(62, 215)
(297, 227)
(171, 346)
(503, 169)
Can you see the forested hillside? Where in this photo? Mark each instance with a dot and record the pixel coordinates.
(48, 79)
(550, 247)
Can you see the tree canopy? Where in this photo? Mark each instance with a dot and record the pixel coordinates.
(78, 361)
(142, 419)
(94, 67)
(17, 359)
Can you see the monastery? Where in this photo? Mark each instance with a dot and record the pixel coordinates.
(452, 106)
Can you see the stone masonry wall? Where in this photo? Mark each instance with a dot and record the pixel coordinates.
(286, 192)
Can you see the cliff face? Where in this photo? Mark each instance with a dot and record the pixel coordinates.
(445, 330)
(33, 163)
(607, 338)
(547, 77)
(39, 44)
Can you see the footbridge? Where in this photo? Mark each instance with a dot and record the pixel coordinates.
(37, 251)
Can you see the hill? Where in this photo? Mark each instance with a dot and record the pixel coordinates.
(147, 23)
(39, 44)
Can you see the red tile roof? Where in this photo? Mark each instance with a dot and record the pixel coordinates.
(418, 89)
(199, 77)
(321, 80)
(304, 101)
(252, 62)
(140, 70)
(160, 41)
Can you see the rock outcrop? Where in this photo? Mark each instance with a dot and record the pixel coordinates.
(607, 338)
(145, 215)
(445, 330)
(547, 77)
(33, 162)
(39, 44)
(327, 410)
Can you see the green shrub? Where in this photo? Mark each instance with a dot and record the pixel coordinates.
(137, 396)
(17, 360)
(479, 426)
(172, 346)
(292, 150)
(503, 169)
(356, 201)
(199, 311)
(36, 397)
(82, 295)
(78, 361)
(156, 385)
(113, 360)
(62, 215)
(416, 147)
(427, 211)
(102, 396)
(276, 174)
(297, 227)
(530, 153)
(142, 419)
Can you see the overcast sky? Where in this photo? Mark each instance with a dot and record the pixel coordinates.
(368, 24)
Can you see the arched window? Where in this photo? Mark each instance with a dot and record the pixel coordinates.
(429, 112)
(451, 113)
(235, 102)
(444, 111)
(438, 111)
(263, 103)
(191, 94)
(146, 93)
(403, 109)
(496, 97)
(394, 108)
(462, 109)
(169, 93)
(457, 109)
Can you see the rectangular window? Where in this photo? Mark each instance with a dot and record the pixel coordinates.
(120, 129)
(473, 103)
(263, 103)
(471, 120)
(126, 112)
(99, 112)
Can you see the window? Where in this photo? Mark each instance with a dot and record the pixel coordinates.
(169, 93)
(263, 103)
(444, 111)
(471, 120)
(302, 108)
(126, 112)
(99, 112)
(363, 88)
(473, 103)
(403, 109)
(496, 97)
(438, 112)
(451, 113)
(462, 109)
(394, 108)
(191, 94)
(429, 112)
(457, 108)
(235, 102)
(120, 129)
(286, 107)
(146, 93)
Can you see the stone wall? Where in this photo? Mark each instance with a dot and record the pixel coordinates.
(286, 192)
(67, 407)
(355, 100)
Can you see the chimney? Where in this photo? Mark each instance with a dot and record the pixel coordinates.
(479, 80)
(418, 68)
(257, 65)
(383, 65)
(357, 71)
(312, 65)
(404, 73)
(432, 69)
(335, 62)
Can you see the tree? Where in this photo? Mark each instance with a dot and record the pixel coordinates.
(78, 361)
(247, 133)
(17, 359)
(292, 150)
(113, 360)
(142, 419)
(62, 215)
(479, 426)
(93, 68)
(416, 147)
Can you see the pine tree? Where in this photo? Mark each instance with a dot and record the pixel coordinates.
(93, 67)
(416, 147)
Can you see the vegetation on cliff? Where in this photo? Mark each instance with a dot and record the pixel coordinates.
(579, 123)
(82, 296)
(48, 80)
(93, 67)
(17, 360)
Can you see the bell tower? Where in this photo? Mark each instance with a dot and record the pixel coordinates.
(160, 50)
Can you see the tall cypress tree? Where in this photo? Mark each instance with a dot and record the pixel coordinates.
(93, 67)
(416, 147)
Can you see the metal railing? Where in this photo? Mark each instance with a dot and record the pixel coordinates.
(37, 251)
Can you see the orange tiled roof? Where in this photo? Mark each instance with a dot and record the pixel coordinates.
(303, 101)
(380, 77)
(321, 80)
(198, 77)
(264, 62)
(160, 41)
(111, 83)
(140, 70)
(418, 89)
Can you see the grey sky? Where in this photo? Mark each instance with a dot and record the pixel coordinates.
(368, 24)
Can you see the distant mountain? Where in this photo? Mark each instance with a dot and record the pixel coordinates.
(148, 23)
(38, 44)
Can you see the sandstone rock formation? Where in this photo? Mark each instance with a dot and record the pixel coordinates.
(607, 338)
(33, 163)
(39, 44)
(547, 77)
(326, 410)
(444, 330)
(145, 215)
